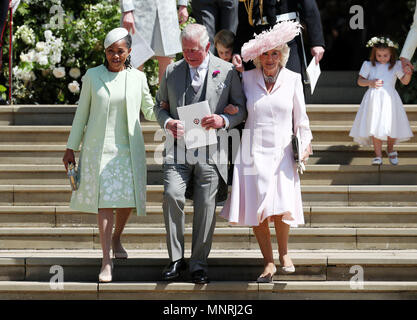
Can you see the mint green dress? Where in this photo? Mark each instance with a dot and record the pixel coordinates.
(116, 189)
(92, 125)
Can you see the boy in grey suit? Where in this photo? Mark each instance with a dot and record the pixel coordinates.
(199, 76)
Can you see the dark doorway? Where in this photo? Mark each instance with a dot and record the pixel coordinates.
(345, 48)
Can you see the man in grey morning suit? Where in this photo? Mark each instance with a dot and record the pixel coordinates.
(199, 76)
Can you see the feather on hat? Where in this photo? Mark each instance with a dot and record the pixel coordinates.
(277, 36)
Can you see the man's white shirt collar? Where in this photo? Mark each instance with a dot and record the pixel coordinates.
(202, 68)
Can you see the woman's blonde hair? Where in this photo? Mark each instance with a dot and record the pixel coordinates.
(285, 54)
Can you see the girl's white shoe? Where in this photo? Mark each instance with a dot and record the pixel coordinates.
(377, 161)
(393, 157)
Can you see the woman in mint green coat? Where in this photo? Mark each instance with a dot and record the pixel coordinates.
(112, 166)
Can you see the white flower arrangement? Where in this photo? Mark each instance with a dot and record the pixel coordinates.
(45, 53)
(74, 87)
(384, 42)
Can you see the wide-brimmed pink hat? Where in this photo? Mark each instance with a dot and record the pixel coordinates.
(277, 36)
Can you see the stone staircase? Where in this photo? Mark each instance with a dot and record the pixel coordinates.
(357, 216)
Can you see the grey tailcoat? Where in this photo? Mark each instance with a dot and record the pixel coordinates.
(223, 88)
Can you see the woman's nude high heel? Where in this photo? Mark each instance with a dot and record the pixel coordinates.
(106, 278)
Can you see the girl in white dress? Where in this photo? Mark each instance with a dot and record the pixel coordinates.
(381, 115)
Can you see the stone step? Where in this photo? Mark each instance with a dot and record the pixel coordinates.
(37, 114)
(147, 265)
(317, 174)
(341, 152)
(314, 216)
(62, 115)
(243, 238)
(313, 195)
(325, 131)
(223, 290)
(337, 153)
(352, 154)
(52, 135)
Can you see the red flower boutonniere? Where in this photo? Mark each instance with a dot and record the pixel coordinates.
(215, 73)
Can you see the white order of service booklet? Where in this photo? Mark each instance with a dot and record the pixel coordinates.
(313, 73)
(195, 135)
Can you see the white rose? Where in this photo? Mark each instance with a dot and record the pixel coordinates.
(74, 87)
(374, 39)
(48, 35)
(75, 73)
(40, 46)
(59, 72)
(382, 41)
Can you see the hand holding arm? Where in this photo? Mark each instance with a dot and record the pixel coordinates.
(407, 76)
(237, 62)
(231, 109)
(406, 64)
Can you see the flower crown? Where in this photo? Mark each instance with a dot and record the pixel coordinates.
(382, 41)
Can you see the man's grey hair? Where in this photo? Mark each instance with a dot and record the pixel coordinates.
(195, 31)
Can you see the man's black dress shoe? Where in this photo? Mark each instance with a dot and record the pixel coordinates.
(173, 270)
(200, 277)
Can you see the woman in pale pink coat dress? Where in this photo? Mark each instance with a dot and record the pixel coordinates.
(266, 185)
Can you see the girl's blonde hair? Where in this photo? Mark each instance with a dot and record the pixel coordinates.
(285, 54)
(392, 60)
